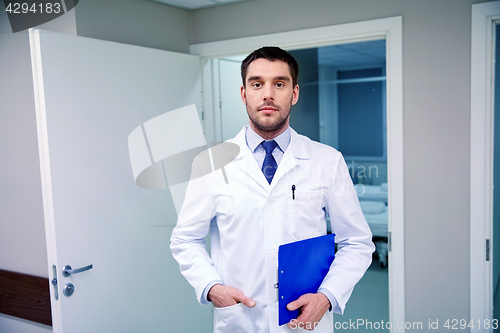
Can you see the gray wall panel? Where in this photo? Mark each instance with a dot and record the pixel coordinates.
(135, 22)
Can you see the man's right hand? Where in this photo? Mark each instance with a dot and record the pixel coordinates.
(223, 296)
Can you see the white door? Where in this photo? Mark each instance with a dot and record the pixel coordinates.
(90, 96)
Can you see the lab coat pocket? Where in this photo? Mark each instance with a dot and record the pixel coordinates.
(306, 214)
(233, 319)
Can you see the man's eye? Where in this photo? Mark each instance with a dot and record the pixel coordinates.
(256, 85)
(280, 85)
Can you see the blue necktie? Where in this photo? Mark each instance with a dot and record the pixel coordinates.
(269, 166)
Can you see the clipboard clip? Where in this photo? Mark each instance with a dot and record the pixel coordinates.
(276, 285)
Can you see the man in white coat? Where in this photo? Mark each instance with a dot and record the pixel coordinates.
(279, 189)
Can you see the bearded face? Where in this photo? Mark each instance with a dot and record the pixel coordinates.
(269, 95)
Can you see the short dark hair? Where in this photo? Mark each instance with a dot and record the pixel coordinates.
(271, 53)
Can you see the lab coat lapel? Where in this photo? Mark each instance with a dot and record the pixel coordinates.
(288, 162)
(293, 154)
(249, 164)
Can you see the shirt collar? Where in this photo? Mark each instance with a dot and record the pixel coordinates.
(254, 140)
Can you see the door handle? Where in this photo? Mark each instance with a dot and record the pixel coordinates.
(67, 270)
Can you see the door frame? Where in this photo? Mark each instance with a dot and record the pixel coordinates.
(481, 177)
(389, 29)
(45, 172)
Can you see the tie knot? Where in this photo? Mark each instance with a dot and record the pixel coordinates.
(269, 146)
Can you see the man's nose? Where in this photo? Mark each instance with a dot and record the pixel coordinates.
(268, 94)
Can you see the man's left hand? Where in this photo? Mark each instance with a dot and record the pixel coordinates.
(312, 308)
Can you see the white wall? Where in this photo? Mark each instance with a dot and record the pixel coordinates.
(9, 324)
(436, 92)
(22, 229)
(22, 235)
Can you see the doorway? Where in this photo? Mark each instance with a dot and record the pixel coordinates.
(342, 104)
(389, 30)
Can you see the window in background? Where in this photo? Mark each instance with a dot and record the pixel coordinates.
(360, 113)
(352, 95)
(342, 103)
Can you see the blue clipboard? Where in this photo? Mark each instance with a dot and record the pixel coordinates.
(302, 266)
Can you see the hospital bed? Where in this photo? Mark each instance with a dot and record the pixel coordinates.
(373, 201)
(372, 192)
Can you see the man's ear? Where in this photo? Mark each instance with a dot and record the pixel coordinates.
(243, 95)
(295, 96)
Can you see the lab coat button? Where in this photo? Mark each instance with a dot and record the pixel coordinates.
(271, 201)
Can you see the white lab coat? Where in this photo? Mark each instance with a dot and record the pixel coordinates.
(248, 219)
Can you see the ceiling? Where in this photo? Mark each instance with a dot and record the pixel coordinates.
(195, 4)
(354, 54)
